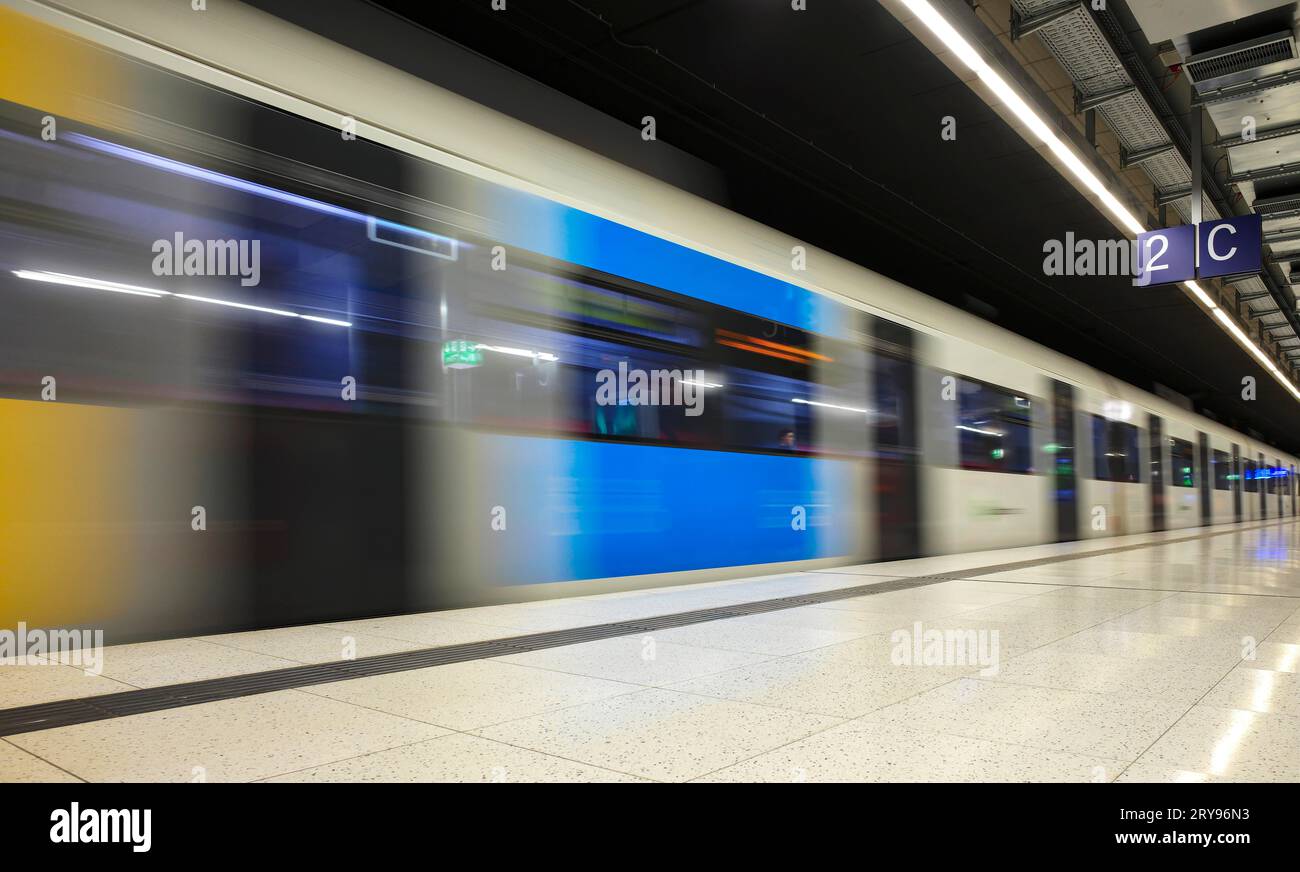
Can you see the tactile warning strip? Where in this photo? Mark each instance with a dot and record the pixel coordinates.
(44, 716)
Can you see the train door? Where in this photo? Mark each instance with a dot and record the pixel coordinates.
(897, 441)
(1276, 487)
(1157, 443)
(1064, 473)
(1262, 487)
(1204, 490)
(1237, 474)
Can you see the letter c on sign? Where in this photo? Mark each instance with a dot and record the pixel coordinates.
(1209, 242)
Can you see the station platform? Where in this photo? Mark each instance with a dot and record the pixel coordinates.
(1157, 657)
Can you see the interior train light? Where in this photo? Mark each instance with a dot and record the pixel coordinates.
(804, 402)
(969, 429)
(783, 349)
(83, 282)
(957, 44)
(334, 321)
(281, 312)
(519, 352)
(1117, 410)
(56, 278)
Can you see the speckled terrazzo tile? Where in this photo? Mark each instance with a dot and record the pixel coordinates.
(1230, 743)
(856, 623)
(1078, 614)
(232, 740)
(425, 630)
(1258, 690)
(1014, 635)
(515, 620)
(1221, 599)
(639, 659)
(860, 751)
(1275, 656)
(459, 758)
(1286, 634)
(756, 636)
(1118, 728)
(1073, 572)
(988, 591)
(43, 681)
(873, 650)
(1173, 681)
(312, 644)
(834, 686)
(19, 767)
(1120, 643)
(462, 696)
(1242, 608)
(659, 734)
(1149, 621)
(174, 661)
(903, 603)
(1117, 596)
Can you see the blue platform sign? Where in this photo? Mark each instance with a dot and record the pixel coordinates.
(1166, 255)
(1230, 246)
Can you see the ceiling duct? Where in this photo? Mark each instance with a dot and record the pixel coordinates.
(1279, 206)
(1252, 59)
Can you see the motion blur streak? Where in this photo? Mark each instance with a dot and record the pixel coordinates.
(219, 459)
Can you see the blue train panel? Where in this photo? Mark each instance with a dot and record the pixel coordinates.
(578, 237)
(580, 510)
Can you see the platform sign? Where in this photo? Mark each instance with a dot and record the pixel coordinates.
(1230, 247)
(1166, 255)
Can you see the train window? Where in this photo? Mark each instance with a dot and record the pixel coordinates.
(1248, 473)
(1182, 465)
(1115, 451)
(1223, 475)
(995, 428)
(790, 390)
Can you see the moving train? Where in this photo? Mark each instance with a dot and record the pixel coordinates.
(291, 336)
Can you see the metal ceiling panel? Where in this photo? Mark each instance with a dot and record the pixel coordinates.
(1264, 154)
(1166, 19)
(1276, 107)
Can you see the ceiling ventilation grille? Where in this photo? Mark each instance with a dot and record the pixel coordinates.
(1276, 207)
(1240, 58)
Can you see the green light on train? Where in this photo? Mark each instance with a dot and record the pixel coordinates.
(461, 354)
(997, 453)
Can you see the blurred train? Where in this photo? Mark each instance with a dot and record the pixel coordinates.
(402, 409)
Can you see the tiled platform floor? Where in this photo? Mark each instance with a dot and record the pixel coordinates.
(1177, 661)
